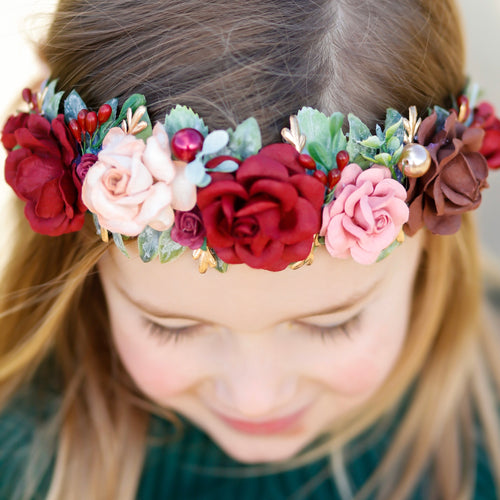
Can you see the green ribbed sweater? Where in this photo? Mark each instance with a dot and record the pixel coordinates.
(180, 470)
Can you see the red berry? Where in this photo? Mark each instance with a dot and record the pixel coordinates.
(186, 143)
(27, 95)
(333, 178)
(82, 115)
(75, 130)
(91, 122)
(321, 176)
(342, 159)
(307, 162)
(104, 113)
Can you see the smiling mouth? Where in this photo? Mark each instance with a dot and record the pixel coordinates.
(265, 427)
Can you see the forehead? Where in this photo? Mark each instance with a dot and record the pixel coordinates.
(248, 297)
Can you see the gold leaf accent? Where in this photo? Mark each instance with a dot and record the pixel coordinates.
(412, 124)
(293, 136)
(310, 258)
(401, 237)
(133, 125)
(206, 259)
(104, 235)
(462, 113)
(40, 97)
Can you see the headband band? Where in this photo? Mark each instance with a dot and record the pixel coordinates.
(178, 185)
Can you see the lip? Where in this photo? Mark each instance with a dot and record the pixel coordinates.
(267, 426)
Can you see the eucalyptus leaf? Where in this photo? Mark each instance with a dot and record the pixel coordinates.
(195, 171)
(73, 105)
(133, 102)
(358, 131)
(315, 126)
(96, 224)
(168, 248)
(393, 145)
(336, 122)
(392, 117)
(148, 243)
(396, 130)
(396, 156)
(52, 101)
(205, 181)
(320, 154)
(380, 133)
(117, 238)
(183, 117)
(372, 142)
(339, 142)
(246, 140)
(214, 142)
(226, 166)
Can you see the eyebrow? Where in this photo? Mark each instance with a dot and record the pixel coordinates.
(357, 299)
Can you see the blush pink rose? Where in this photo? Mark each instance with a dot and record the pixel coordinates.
(367, 214)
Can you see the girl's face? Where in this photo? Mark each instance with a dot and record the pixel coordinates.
(262, 361)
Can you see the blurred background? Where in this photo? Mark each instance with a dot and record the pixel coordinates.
(23, 21)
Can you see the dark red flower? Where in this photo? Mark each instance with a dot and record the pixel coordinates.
(266, 213)
(86, 161)
(453, 184)
(41, 174)
(485, 118)
(188, 229)
(13, 123)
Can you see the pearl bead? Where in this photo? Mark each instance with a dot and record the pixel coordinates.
(415, 160)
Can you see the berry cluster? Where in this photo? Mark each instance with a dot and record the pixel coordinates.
(331, 179)
(89, 121)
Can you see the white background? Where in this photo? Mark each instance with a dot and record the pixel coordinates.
(23, 21)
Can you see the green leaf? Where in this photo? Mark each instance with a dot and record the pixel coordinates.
(73, 105)
(372, 142)
(246, 140)
(221, 266)
(339, 143)
(358, 131)
(396, 156)
(148, 131)
(392, 117)
(379, 133)
(148, 242)
(393, 145)
(214, 142)
(316, 127)
(168, 248)
(134, 101)
(396, 130)
(118, 239)
(336, 122)
(383, 159)
(183, 117)
(385, 253)
(52, 101)
(320, 154)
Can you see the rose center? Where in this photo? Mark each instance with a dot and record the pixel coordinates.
(190, 224)
(115, 181)
(245, 227)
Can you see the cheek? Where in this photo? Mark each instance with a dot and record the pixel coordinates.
(149, 362)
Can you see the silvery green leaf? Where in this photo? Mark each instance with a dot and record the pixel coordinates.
(442, 116)
(372, 142)
(392, 116)
(117, 238)
(215, 141)
(221, 266)
(397, 154)
(383, 159)
(183, 117)
(246, 140)
(205, 181)
(473, 93)
(96, 224)
(385, 253)
(320, 154)
(168, 248)
(336, 122)
(358, 131)
(393, 144)
(148, 242)
(315, 126)
(134, 101)
(226, 166)
(330, 196)
(339, 142)
(114, 109)
(380, 133)
(52, 101)
(195, 171)
(396, 130)
(73, 105)
(369, 159)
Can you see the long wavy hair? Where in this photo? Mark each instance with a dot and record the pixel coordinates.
(229, 61)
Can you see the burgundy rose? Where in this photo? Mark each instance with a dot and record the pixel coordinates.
(188, 229)
(83, 166)
(485, 118)
(41, 174)
(266, 213)
(454, 181)
(13, 123)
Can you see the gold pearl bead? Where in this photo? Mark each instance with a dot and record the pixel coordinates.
(415, 160)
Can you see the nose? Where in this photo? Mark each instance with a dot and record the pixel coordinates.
(255, 381)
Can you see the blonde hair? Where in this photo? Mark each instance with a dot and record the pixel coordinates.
(361, 57)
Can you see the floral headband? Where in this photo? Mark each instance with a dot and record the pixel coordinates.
(230, 200)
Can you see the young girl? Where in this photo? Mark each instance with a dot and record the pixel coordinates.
(332, 345)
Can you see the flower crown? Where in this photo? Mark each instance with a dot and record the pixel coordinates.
(230, 200)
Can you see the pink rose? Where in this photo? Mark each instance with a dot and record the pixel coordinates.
(367, 214)
(120, 187)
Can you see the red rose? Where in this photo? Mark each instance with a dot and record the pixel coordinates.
(41, 174)
(265, 214)
(484, 117)
(453, 184)
(13, 123)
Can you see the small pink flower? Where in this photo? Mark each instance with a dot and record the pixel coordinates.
(367, 214)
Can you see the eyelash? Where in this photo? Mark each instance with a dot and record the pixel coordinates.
(165, 334)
